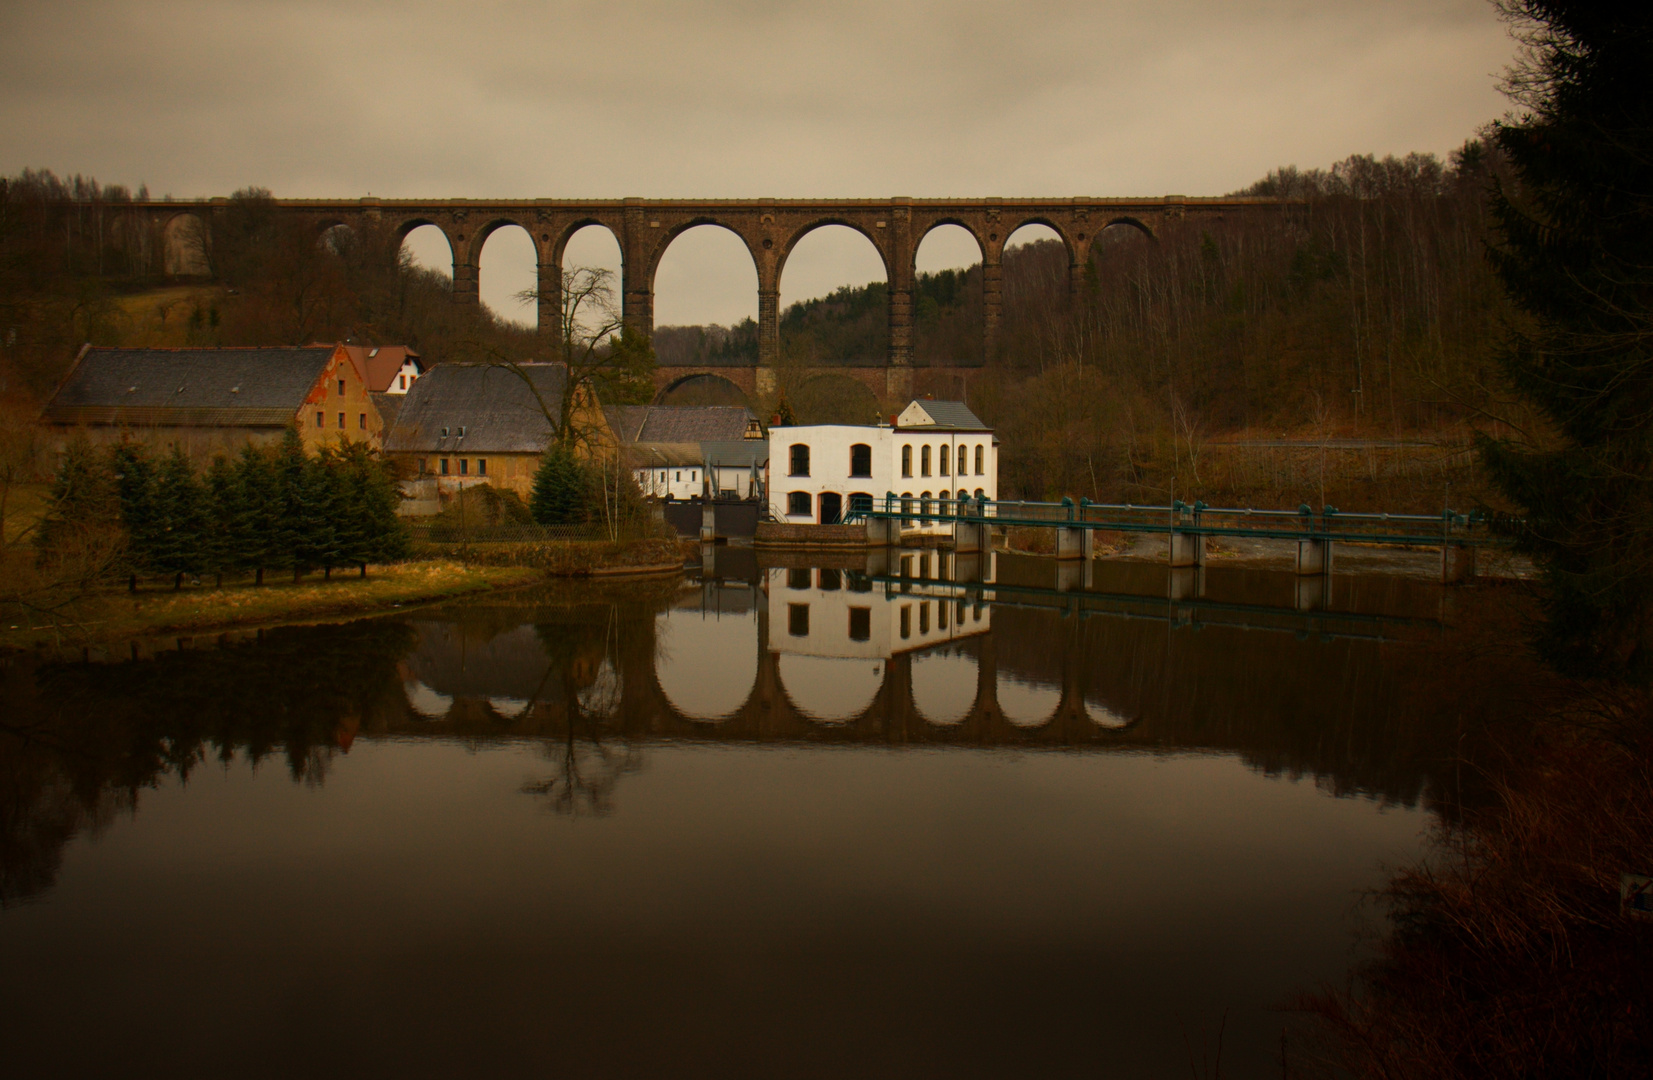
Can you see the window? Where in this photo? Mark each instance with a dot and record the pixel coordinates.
(980, 495)
(860, 624)
(694, 475)
(860, 502)
(482, 466)
(924, 460)
(321, 419)
(800, 460)
(860, 460)
(944, 458)
(797, 620)
(979, 470)
(464, 466)
(341, 421)
(941, 615)
(924, 503)
(423, 465)
(906, 460)
(662, 478)
(444, 466)
(924, 617)
(402, 382)
(907, 508)
(830, 580)
(341, 388)
(964, 460)
(361, 421)
(906, 620)
(797, 578)
(798, 503)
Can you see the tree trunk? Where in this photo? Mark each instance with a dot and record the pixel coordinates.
(364, 569)
(177, 581)
(327, 573)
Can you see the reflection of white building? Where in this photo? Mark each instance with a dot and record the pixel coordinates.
(936, 452)
(830, 613)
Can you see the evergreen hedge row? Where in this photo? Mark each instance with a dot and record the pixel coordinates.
(265, 509)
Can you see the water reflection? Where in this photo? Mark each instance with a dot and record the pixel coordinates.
(607, 754)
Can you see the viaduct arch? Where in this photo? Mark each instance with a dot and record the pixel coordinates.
(770, 229)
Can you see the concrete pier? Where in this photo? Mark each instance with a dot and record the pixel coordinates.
(1314, 557)
(1187, 549)
(1457, 563)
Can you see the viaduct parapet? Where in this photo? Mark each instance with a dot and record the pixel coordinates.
(770, 229)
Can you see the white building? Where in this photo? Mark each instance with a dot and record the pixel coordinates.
(835, 614)
(937, 451)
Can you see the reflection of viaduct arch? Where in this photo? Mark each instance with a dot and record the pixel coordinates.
(770, 229)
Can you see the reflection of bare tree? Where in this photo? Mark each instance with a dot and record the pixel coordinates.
(589, 768)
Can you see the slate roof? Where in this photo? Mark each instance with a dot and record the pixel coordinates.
(263, 387)
(736, 453)
(954, 415)
(388, 405)
(678, 424)
(493, 405)
(379, 364)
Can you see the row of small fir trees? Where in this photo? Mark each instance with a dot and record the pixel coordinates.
(267, 508)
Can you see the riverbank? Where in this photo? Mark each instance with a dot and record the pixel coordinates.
(572, 558)
(117, 614)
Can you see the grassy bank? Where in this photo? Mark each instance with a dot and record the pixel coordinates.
(116, 614)
(565, 558)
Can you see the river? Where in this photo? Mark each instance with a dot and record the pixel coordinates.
(768, 820)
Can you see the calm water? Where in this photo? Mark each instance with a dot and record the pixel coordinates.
(773, 821)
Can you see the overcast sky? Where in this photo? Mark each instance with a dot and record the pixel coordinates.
(732, 99)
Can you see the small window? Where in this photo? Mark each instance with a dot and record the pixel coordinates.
(482, 466)
(944, 458)
(800, 460)
(444, 466)
(361, 421)
(341, 388)
(402, 382)
(679, 479)
(830, 580)
(662, 478)
(860, 460)
(924, 617)
(979, 470)
(906, 620)
(964, 460)
(797, 620)
(860, 624)
(341, 421)
(941, 615)
(797, 578)
(798, 503)
(924, 460)
(907, 460)
(464, 466)
(321, 419)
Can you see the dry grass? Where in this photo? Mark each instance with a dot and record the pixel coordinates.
(116, 614)
(568, 558)
(1508, 955)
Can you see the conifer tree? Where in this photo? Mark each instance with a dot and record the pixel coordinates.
(287, 522)
(323, 502)
(1574, 251)
(178, 508)
(560, 489)
(134, 476)
(222, 514)
(370, 529)
(257, 508)
(82, 496)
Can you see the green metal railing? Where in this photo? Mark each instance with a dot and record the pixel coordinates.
(1304, 523)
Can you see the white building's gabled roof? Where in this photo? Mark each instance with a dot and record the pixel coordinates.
(952, 415)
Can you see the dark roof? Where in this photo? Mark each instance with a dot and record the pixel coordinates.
(735, 453)
(388, 405)
(201, 387)
(952, 414)
(494, 406)
(678, 424)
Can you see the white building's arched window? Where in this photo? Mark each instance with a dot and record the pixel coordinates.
(907, 460)
(799, 460)
(860, 460)
(980, 470)
(924, 460)
(964, 460)
(944, 458)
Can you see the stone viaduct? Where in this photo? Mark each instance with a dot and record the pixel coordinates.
(770, 229)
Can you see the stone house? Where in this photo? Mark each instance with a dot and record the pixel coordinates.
(213, 400)
(467, 424)
(684, 452)
(935, 451)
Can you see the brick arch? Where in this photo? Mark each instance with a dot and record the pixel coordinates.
(560, 238)
(674, 378)
(658, 251)
(1061, 230)
(796, 236)
(178, 259)
(920, 232)
(479, 238)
